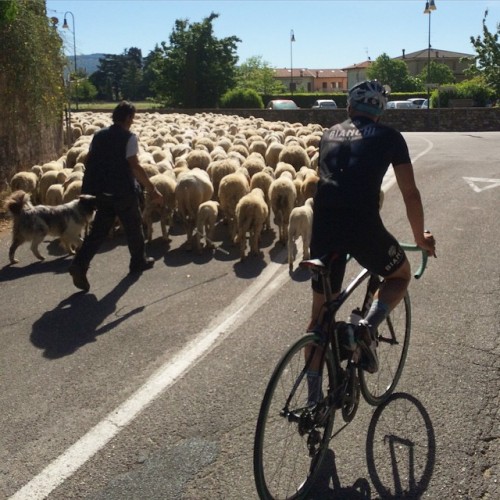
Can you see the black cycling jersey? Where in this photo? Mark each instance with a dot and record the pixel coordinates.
(354, 157)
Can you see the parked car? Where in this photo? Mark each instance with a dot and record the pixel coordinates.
(425, 104)
(417, 101)
(400, 105)
(281, 104)
(324, 103)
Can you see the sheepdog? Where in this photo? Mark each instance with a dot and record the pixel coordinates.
(34, 223)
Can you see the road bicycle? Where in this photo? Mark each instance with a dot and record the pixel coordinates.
(293, 432)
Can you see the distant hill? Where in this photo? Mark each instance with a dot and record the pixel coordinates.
(88, 62)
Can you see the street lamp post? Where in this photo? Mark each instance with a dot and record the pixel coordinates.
(430, 5)
(65, 26)
(292, 39)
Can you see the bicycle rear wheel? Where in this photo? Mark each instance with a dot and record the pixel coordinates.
(393, 341)
(291, 438)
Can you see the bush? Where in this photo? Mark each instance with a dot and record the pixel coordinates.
(475, 89)
(241, 98)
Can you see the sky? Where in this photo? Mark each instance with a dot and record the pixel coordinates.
(328, 33)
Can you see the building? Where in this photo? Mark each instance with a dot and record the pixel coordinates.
(313, 80)
(456, 61)
(357, 73)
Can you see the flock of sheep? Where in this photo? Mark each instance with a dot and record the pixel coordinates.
(209, 168)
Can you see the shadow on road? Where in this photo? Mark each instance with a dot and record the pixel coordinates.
(76, 320)
(400, 453)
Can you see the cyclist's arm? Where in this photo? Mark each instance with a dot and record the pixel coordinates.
(414, 208)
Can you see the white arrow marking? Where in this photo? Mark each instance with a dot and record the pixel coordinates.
(490, 183)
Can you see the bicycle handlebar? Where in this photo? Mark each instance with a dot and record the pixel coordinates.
(411, 247)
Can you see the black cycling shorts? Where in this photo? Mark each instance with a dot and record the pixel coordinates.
(364, 238)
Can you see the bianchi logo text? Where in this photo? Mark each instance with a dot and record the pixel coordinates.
(396, 255)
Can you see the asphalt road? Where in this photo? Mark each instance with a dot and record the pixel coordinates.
(150, 388)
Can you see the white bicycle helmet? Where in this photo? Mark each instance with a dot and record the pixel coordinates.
(368, 97)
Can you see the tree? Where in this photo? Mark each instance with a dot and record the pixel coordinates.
(439, 73)
(32, 85)
(196, 68)
(392, 72)
(258, 75)
(487, 60)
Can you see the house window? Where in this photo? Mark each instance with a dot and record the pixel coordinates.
(324, 85)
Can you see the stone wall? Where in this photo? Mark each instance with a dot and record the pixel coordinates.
(405, 120)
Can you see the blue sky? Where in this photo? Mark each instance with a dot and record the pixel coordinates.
(328, 34)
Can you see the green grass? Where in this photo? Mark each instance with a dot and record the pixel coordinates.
(109, 106)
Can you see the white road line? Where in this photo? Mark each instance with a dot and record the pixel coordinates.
(234, 315)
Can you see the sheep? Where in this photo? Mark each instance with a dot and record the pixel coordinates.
(232, 188)
(309, 185)
(193, 188)
(54, 195)
(295, 155)
(218, 170)
(282, 194)
(198, 158)
(47, 179)
(166, 185)
(206, 218)
(27, 182)
(251, 214)
(284, 167)
(272, 154)
(254, 163)
(300, 225)
(72, 191)
(263, 180)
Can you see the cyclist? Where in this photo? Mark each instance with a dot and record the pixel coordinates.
(354, 157)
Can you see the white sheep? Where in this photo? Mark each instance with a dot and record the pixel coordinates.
(217, 170)
(263, 180)
(193, 188)
(47, 179)
(300, 225)
(295, 155)
(27, 182)
(198, 158)
(206, 219)
(251, 215)
(283, 195)
(54, 195)
(232, 188)
(273, 153)
(165, 184)
(72, 191)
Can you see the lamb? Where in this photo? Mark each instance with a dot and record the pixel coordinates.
(254, 163)
(206, 219)
(231, 189)
(283, 195)
(27, 182)
(251, 214)
(193, 188)
(300, 225)
(166, 185)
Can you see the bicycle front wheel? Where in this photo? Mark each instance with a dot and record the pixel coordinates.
(393, 337)
(292, 436)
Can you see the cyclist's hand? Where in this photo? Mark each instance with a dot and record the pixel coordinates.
(428, 243)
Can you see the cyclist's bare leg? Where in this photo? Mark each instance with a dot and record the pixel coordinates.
(394, 288)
